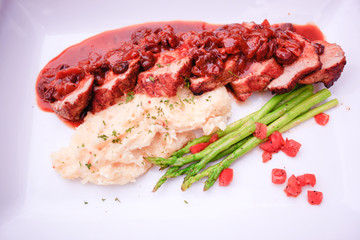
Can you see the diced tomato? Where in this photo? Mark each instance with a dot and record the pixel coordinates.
(293, 187)
(315, 197)
(291, 147)
(322, 118)
(266, 156)
(274, 144)
(278, 176)
(307, 179)
(261, 130)
(214, 138)
(277, 140)
(267, 147)
(198, 147)
(226, 176)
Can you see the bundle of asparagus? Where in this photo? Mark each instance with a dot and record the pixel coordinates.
(280, 113)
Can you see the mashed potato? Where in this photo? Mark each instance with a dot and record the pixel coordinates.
(110, 146)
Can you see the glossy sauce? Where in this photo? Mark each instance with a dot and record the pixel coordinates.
(310, 31)
(105, 41)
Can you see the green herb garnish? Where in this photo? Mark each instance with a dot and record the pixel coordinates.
(88, 165)
(129, 96)
(103, 137)
(233, 74)
(187, 82)
(117, 140)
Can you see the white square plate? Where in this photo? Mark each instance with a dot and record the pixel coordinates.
(36, 203)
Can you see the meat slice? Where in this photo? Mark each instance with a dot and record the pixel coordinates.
(333, 62)
(169, 72)
(208, 83)
(257, 76)
(73, 105)
(115, 86)
(307, 62)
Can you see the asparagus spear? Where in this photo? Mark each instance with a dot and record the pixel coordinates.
(173, 172)
(309, 114)
(235, 125)
(296, 91)
(213, 172)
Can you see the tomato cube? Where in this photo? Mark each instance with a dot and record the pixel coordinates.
(226, 176)
(214, 138)
(278, 176)
(315, 197)
(291, 147)
(260, 131)
(274, 144)
(322, 119)
(266, 156)
(307, 179)
(267, 147)
(277, 140)
(198, 147)
(293, 187)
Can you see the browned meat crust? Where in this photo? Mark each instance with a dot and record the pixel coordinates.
(169, 72)
(333, 62)
(115, 86)
(257, 76)
(307, 62)
(73, 105)
(208, 83)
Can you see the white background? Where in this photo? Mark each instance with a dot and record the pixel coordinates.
(35, 203)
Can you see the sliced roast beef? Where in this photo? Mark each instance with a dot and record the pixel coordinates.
(73, 104)
(255, 78)
(307, 62)
(333, 62)
(199, 85)
(169, 72)
(115, 86)
(116, 75)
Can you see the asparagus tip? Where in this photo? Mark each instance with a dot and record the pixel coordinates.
(185, 186)
(161, 181)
